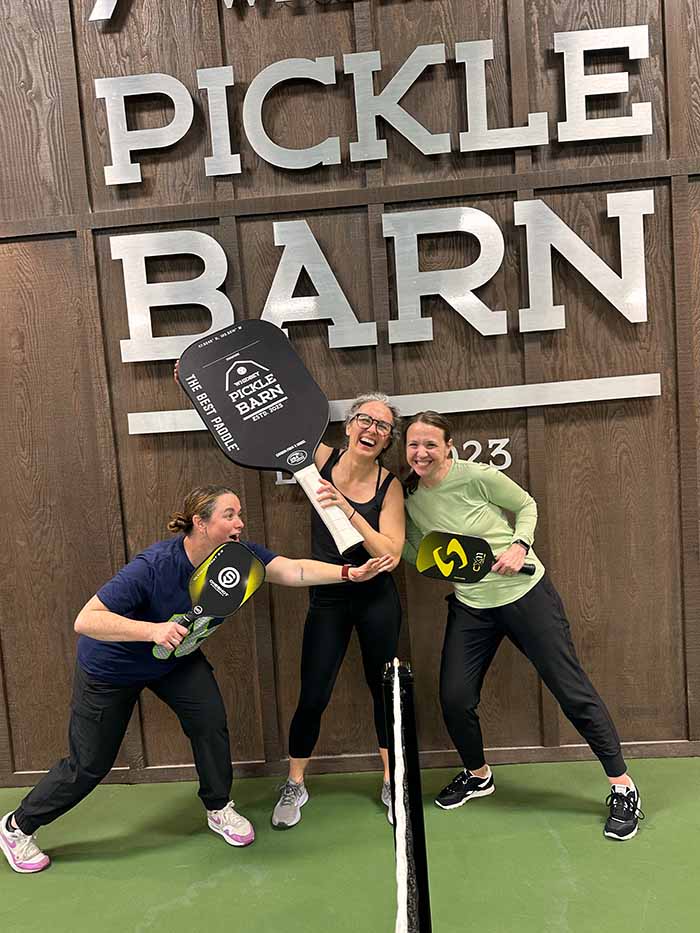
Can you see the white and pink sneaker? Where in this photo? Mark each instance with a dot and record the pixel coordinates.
(21, 851)
(235, 829)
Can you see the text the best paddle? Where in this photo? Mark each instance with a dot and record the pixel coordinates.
(263, 407)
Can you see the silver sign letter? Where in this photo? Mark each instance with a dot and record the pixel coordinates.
(321, 70)
(627, 292)
(303, 252)
(480, 137)
(215, 81)
(142, 295)
(122, 140)
(578, 85)
(454, 285)
(369, 106)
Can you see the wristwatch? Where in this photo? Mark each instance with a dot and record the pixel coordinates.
(345, 573)
(522, 544)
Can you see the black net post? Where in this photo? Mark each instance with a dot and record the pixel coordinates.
(419, 920)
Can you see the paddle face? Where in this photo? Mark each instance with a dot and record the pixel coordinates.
(225, 580)
(218, 587)
(255, 396)
(459, 558)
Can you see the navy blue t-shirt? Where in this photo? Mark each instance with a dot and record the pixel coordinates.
(153, 587)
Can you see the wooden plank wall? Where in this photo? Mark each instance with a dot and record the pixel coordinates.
(616, 482)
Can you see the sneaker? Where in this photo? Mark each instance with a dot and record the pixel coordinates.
(235, 829)
(386, 800)
(462, 787)
(287, 812)
(625, 813)
(21, 851)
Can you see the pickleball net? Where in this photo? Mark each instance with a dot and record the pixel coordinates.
(412, 886)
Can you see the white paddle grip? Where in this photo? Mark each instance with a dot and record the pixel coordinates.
(335, 520)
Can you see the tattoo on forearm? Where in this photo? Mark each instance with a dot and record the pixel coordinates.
(301, 574)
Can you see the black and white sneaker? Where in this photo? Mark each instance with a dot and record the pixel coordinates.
(462, 787)
(625, 813)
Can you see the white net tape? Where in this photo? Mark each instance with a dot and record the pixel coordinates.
(400, 812)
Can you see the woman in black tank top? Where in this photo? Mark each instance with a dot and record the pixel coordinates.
(372, 499)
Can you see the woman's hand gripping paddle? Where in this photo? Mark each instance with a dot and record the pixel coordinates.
(218, 587)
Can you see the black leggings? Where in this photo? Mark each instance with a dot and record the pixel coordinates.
(100, 713)
(537, 626)
(376, 614)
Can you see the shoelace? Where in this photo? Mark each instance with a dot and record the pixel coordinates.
(623, 807)
(459, 781)
(289, 794)
(231, 818)
(26, 845)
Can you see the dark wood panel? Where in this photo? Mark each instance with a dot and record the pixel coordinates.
(255, 530)
(605, 489)
(298, 114)
(646, 81)
(459, 357)
(34, 154)
(686, 225)
(509, 710)
(149, 39)
(680, 31)
(438, 98)
(156, 472)
(59, 497)
(690, 13)
(604, 467)
(341, 374)
(588, 465)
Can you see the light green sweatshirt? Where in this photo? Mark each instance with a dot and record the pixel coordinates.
(470, 501)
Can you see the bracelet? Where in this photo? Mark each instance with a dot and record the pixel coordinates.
(345, 573)
(523, 545)
(351, 515)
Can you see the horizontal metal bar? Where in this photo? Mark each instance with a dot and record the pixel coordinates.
(606, 388)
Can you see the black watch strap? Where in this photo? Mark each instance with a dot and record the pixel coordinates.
(522, 544)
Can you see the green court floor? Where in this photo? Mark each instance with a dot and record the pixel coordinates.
(529, 859)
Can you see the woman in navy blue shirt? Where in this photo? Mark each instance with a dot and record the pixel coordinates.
(139, 607)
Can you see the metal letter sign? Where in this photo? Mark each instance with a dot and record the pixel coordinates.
(321, 70)
(628, 292)
(369, 106)
(578, 85)
(142, 295)
(303, 252)
(123, 140)
(456, 286)
(544, 230)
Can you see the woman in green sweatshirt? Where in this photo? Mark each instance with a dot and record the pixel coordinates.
(444, 494)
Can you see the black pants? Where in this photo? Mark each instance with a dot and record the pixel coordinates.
(100, 713)
(375, 611)
(537, 626)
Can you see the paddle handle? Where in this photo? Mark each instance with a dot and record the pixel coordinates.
(529, 569)
(160, 651)
(335, 520)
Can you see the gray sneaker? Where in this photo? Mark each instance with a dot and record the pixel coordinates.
(386, 800)
(287, 812)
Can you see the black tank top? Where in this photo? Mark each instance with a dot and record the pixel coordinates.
(322, 544)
